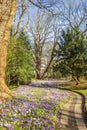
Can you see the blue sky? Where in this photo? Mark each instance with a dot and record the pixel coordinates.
(32, 10)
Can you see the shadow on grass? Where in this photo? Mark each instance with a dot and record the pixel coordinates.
(44, 85)
(65, 88)
(84, 112)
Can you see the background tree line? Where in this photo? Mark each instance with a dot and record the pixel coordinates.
(51, 49)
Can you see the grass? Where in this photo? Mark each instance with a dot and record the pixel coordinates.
(81, 88)
(12, 87)
(35, 108)
(84, 93)
(71, 84)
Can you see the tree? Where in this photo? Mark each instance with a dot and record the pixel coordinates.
(71, 53)
(19, 68)
(7, 11)
(42, 35)
(74, 14)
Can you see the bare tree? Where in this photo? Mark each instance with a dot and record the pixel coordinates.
(22, 15)
(19, 17)
(74, 14)
(56, 30)
(42, 34)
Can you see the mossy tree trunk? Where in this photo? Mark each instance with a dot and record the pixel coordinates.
(7, 11)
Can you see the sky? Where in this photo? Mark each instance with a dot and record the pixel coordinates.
(32, 10)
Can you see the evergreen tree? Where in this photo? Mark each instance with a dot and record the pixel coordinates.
(71, 54)
(19, 60)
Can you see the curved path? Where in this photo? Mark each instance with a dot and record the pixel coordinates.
(72, 112)
(72, 115)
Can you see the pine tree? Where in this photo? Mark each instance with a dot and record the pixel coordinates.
(19, 60)
(71, 52)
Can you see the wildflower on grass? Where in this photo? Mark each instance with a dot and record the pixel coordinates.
(46, 120)
(37, 122)
(22, 125)
(8, 126)
(28, 121)
(32, 114)
(51, 128)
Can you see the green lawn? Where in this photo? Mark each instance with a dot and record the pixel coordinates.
(84, 93)
(81, 88)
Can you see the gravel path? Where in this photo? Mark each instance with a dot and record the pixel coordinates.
(72, 116)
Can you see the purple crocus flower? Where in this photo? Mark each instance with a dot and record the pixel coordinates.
(22, 125)
(46, 120)
(37, 122)
(51, 128)
(10, 128)
(28, 121)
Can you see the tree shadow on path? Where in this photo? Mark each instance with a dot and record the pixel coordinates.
(84, 112)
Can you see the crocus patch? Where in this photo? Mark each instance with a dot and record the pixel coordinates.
(34, 109)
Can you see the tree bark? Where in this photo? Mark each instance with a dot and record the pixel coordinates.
(75, 79)
(50, 61)
(38, 53)
(7, 11)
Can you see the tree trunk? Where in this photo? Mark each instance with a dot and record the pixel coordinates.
(7, 11)
(75, 79)
(38, 56)
(38, 68)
